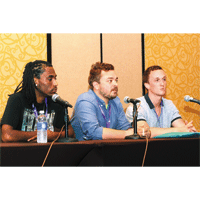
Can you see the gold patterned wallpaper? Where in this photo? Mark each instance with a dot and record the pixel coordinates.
(179, 56)
(15, 51)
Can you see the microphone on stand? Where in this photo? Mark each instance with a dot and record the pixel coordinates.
(134, 102)
(128, 100)
(56, 98)
(191, 99)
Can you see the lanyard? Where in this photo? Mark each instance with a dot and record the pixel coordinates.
(103, 114)
(35, 110)
(160, 124)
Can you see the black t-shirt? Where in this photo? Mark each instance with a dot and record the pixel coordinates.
(20, 115)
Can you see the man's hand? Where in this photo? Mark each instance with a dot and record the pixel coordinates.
(189, 127)
(144, 131)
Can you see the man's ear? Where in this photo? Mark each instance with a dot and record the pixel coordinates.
(95, 85)
(147, 86)
(36, 81)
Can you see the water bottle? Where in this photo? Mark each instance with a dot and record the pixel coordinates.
(41, 128)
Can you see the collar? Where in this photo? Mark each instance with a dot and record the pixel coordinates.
(148, 100)
(100, 101)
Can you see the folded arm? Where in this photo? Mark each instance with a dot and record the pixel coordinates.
(178, 126)
(109, 133)
(11, 135)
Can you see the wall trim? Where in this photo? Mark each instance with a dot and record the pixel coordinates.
(101, 47)
(49, 48)
(143, 59)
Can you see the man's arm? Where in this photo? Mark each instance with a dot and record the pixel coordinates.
(178, 123)
(11, 135)
(109, 133)
(178, 126)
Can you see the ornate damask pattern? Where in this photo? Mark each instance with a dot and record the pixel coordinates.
(15, 51)
(179, 56)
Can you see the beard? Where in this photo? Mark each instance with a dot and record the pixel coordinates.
(112, 95)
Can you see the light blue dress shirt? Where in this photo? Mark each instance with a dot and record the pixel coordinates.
(88, 121)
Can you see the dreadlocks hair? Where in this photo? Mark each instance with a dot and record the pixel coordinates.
(32, 69)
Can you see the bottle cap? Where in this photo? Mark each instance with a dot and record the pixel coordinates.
(41, 112)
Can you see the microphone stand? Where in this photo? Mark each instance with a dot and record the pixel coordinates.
(135, 113)
(67, 139)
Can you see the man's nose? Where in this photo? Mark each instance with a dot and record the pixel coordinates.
(55, 83)
(162, 82)
(115, 83)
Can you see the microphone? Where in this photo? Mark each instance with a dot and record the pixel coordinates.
(128, 100)
(56, 98)
(191, 99)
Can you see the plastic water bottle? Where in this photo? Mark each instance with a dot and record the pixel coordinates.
(41, 128)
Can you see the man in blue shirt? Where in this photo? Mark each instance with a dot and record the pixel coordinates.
(98, 113)
(156, 112)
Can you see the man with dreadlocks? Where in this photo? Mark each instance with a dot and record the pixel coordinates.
(19, 121)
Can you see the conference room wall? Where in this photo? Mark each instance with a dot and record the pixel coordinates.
(179, 56)
(124, 52)
(15, 51)
(73, 55)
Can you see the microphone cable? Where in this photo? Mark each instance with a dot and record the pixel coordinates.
(138, 106)
(52, 145)
(145, 151)
(142, 137)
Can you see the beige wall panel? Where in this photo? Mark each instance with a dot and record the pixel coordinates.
(124, 52)
(72, 57)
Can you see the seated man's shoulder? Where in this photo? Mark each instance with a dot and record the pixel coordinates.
(86, 96)
(168, 102)
(16, 96)
(142, 100)
(143, 105)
